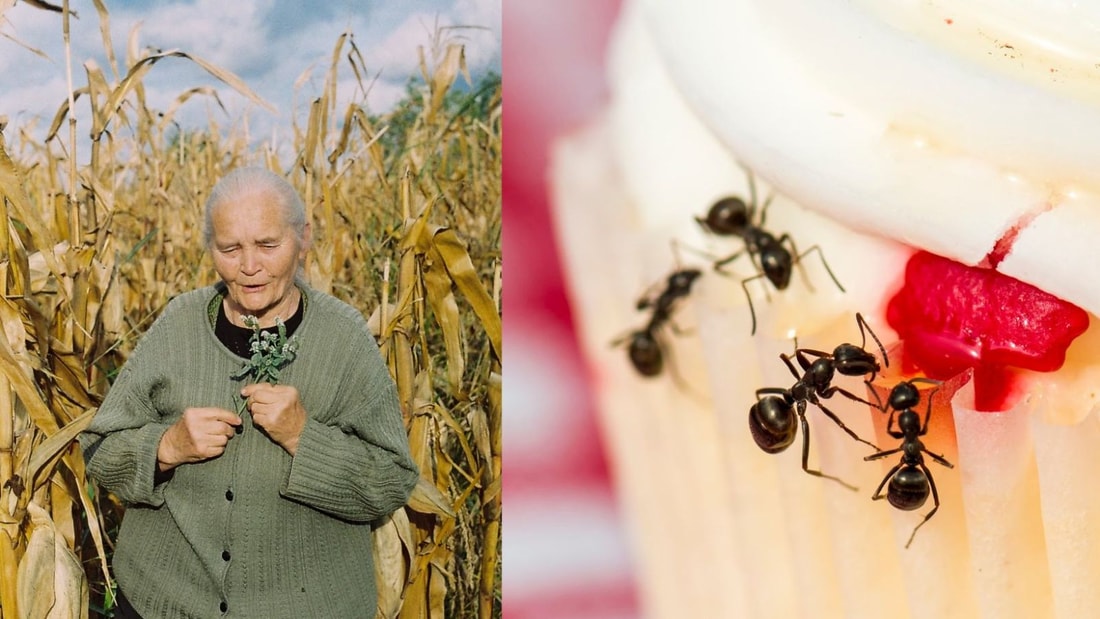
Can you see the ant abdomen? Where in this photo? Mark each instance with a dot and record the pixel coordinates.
(908, 488)
(772, 424)
(645, 354)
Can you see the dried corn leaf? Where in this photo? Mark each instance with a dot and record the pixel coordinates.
(427, 499)
(437, 284)
(104, 114)
(42, 4)
(170, 113)
(10, 551)
(465, 277)
(479, 426)
(61, 508)
(74, 460)
(374, 323)
(390, 568)
(420, 444)
(459, 433)
(105, 33)
(63, 112)
(49, 451)
(51, 581)
(14, 329)
(416, 599)
(11, 187)
(441, 79)
(437, 589)
(26, 389)
(229, 78)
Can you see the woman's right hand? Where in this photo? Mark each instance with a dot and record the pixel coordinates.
(199, 434)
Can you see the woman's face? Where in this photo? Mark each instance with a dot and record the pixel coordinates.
(256, 253)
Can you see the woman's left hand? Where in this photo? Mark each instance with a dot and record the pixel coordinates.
(278, 410)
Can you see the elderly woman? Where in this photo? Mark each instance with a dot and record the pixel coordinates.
(265, 512)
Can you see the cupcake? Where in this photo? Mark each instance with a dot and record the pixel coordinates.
(923, 166)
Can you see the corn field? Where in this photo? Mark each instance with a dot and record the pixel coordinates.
(99, 234)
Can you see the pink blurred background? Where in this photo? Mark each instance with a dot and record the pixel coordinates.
(565, 552)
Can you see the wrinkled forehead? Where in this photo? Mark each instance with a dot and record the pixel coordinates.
(252, 203)
(254, 211)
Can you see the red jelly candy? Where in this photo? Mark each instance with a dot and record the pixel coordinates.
(952, 317)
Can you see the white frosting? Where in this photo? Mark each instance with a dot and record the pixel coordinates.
(865, 149)
(938, 126)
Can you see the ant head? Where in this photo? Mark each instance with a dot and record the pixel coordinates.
(681, 281)
(727, 216)
(904, 396)
(645, 354)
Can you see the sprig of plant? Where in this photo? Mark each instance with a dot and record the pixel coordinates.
(270, 352)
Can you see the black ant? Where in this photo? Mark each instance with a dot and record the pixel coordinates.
(910, 480)
(771, 418)
(645, 348)
(771, 257)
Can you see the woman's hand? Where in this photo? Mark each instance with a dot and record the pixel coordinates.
(199, 434)
(278, 410)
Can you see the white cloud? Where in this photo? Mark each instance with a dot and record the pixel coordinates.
(483, 43)
(229, 34)
(268, 43)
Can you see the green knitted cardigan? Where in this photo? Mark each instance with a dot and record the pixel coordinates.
(254, 532)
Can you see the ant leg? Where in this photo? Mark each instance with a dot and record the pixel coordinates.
(890, 425)
(863, 343)
(751, 178)
(678, 330)
(878, 491)
(935, 500)
(828, 393)
(718, 264)
(821, 255)
(798, 261)
(622, 339)
(846, 429)
(752, 310)
(806, 455)
(883, 454)
(677, 246)
(800, 354)
(928, 412)
(677, 378)
(649, 296)
(764, 209)
(939, 458)
(879, 404)
(790, 366)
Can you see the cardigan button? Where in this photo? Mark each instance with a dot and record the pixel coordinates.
(224, 606)
(229, 495)
(225, 555)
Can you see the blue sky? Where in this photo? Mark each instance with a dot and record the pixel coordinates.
(281, 48)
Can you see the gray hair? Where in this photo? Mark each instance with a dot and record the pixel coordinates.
(244, 181)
